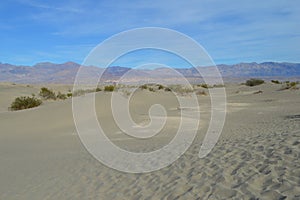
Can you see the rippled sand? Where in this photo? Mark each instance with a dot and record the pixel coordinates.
(256, 157)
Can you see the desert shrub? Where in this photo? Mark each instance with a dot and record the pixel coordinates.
(61, 96)
(109, 88)
(276, 81)
(204, 85)
(218, 85)
(98, 89)
(25, 102)
(81, 92)
(168, 89)
(46, 93)
(151, 89)
(182, 89)
(78, 92)
(201, 92)
(144, 87)
(69, 94)
(126, 92)
(258, 92)
(293, 84)
(160, 87)
(254, 82)
(289, 85)
(186, 90)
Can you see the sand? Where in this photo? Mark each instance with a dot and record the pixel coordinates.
(256, 157)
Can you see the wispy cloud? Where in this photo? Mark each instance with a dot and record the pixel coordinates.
(44, 5)
(248, 30)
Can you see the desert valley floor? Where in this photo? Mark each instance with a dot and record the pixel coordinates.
(256, 157)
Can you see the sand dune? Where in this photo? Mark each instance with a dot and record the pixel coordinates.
(256, 157)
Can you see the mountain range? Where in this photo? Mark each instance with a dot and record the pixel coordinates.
(47, 72)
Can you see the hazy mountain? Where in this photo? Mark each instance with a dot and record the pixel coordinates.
(47, 72)
(260, 70)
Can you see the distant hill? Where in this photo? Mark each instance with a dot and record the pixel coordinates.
(47, 72)
(266, 69)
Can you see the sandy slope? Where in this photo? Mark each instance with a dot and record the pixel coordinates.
(257, 156)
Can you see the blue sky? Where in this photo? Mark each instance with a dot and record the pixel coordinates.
(232, 31)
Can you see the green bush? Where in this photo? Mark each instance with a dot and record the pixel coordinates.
(293, 84)
(254, 82)
(109, 88)
(204, 85)
(24, 102)
(69, 94)
(46, 93)
(218, 85)
(160, 87)
(289, 85)
(61, 96)
(144, 87)
(151, 89)
(168, 89)
(275, 81)
(181, 89)
(98, 89)
(81, 92)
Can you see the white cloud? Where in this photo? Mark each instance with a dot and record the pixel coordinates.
(45, 6)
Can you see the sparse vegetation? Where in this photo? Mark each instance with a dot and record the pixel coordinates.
(160, 87)
(167, 89)
(293, 84)
(204, 85)
(79, 92)
(289, 85)
(46, 94)
(151, 89)
(254, 82)
(276, 81)
(258, 92)
(182, 89)
(25, 102)
(201, 92)
(218, 85)
(61, 96)
(144, 87)
(126, 92)
(109, 88)
(98, 89)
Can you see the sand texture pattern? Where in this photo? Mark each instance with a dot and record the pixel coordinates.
(256, 157)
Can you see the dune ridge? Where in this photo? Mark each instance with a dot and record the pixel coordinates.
(256, 157)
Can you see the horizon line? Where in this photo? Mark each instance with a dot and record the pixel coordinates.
(73, 62)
